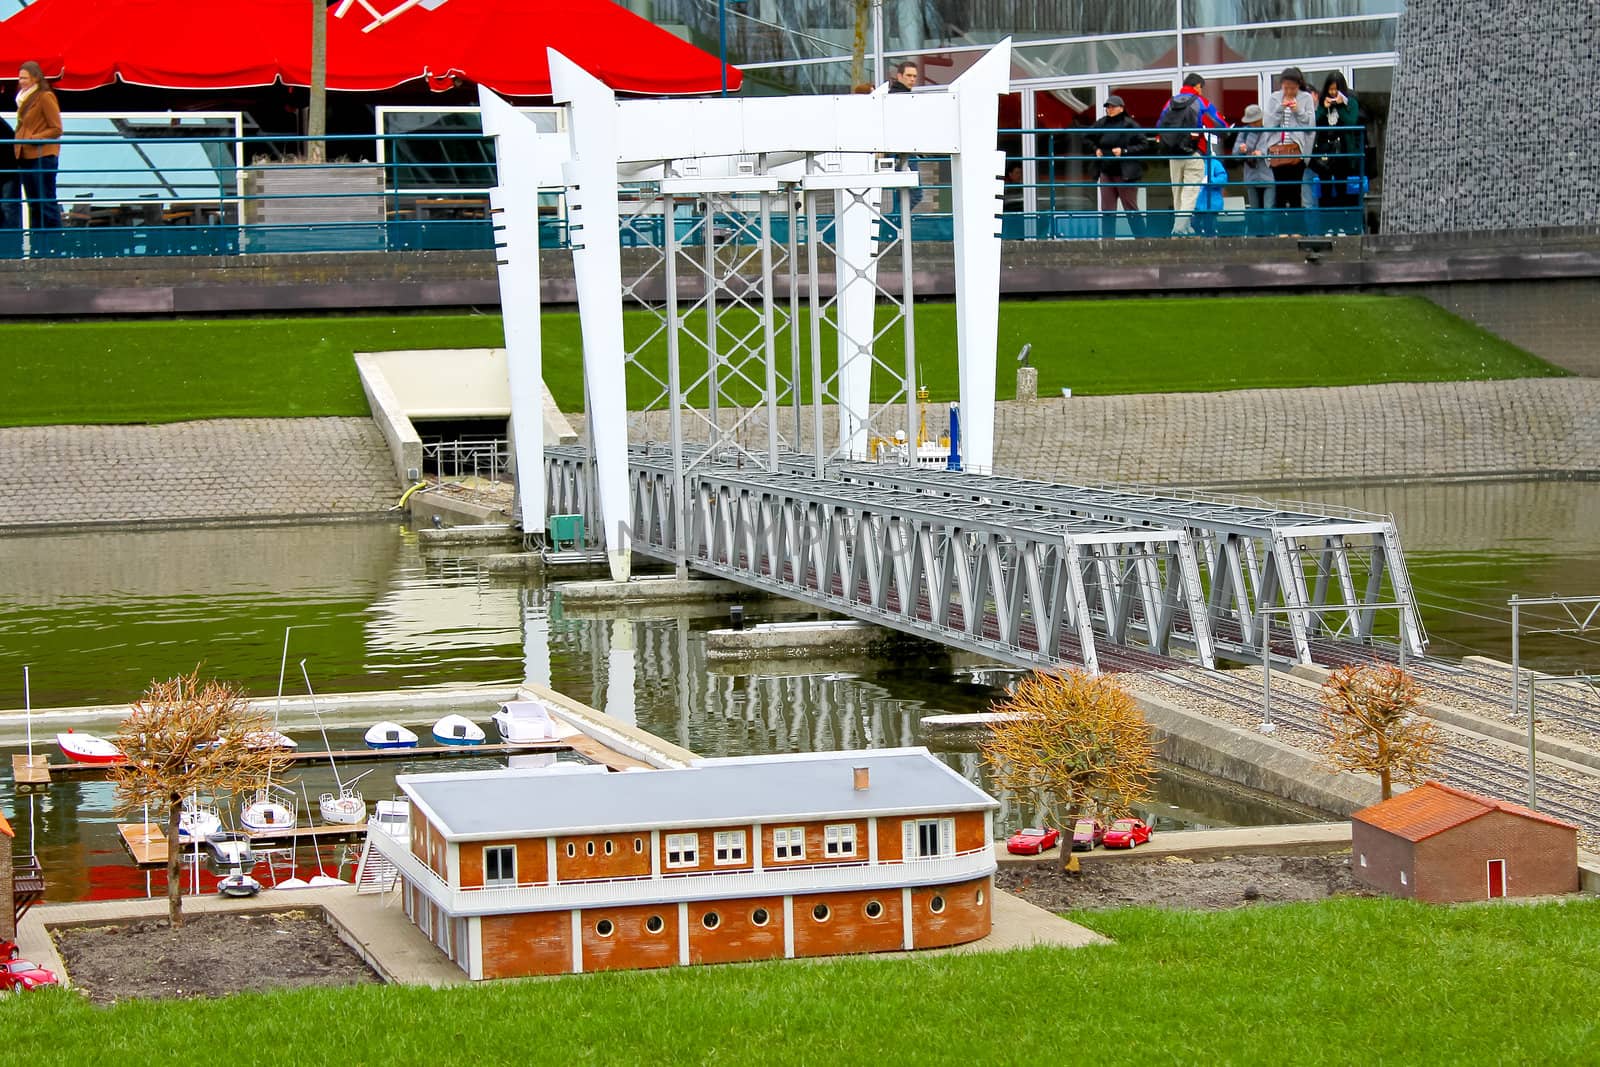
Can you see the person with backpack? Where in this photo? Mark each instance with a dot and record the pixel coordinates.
(1179, 129)
(1118, 142)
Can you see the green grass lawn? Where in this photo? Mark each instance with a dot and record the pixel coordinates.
(165, 371)
(1339, 982)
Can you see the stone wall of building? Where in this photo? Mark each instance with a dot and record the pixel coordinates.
(1491, 124)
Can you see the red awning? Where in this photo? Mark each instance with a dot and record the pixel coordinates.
(232, 44)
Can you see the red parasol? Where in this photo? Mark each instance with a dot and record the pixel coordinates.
(229, 44)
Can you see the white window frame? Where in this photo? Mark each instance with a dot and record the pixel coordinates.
(728, 848)
(788, 843)
(502, 880)
(839, 840)
(686, 847)
(911, 838)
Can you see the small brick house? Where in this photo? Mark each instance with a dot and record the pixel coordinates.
(1441, 844)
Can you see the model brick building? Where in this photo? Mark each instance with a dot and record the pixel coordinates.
(525, 872)
(1441, 844)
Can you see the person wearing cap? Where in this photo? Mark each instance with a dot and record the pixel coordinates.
(1288, 119)
(1251, 146)
(1118, 143)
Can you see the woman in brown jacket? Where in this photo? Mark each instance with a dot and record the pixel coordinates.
(38, 119)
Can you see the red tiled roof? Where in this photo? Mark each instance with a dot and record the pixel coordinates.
(1433, 807)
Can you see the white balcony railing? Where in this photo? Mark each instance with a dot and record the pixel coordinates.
(777, 881)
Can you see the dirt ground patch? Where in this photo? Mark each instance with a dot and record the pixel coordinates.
(210, 956)
(1209, 883)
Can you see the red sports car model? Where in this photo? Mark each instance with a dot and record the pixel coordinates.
(1125, 833)
(1087, 833)
(1032, 840)
(21, 975)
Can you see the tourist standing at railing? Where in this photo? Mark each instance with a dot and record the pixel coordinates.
(1251, 146)
(1288, 119)
(1337, 152)
(38, 119)
(903, 80)
(1118, 143)
(1185, 116)
(10, 209)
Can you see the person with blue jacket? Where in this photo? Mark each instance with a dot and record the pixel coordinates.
(1189, 110)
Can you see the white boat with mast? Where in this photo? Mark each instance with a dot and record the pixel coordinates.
(347, 807)
(322, 877)
(272, 807)
(198, 820)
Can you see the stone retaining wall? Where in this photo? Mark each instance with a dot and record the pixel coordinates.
(213, 469)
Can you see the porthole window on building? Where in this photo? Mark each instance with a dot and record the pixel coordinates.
(980, 898)
(711, 920)
(936, 905)
(821, 913)
(638, 845)
(654, 924)
(588, 848)
(874, 909)
(604, 928)
(760, 917)
(609, 848)
(572, 850)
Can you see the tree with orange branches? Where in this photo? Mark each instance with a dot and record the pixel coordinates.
(1371, 712)
(187, 737)
(1074, 740)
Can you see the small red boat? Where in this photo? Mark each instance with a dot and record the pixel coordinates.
(87, 748)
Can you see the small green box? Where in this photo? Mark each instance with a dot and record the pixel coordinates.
(566, 531)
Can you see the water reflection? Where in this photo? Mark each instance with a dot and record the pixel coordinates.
(98, 614)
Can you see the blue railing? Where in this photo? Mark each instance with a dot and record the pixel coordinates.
(230, 196)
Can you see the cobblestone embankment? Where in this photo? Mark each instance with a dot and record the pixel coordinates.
(187, 471)
(1533, 427)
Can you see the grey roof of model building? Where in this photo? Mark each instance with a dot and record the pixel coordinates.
(732, 791)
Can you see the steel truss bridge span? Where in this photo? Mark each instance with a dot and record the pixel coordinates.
(1014, 584)
(1326, 575)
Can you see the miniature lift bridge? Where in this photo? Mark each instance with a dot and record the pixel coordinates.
(761, 249)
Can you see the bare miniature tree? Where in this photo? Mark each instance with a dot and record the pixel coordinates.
(1074, 740)
(185, 738)
(1371, 712)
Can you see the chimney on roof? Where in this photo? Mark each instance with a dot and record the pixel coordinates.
(862, 775)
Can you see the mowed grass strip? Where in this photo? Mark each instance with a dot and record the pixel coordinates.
(165, 371)
(1338, 982)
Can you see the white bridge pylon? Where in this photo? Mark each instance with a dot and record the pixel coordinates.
(763, 179)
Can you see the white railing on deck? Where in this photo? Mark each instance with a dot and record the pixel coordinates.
(698, 885)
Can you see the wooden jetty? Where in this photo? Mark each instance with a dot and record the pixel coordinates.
(378, 755)
(145, 842)
(31, 774)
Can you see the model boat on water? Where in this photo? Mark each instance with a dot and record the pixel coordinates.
(390, 735)
(393, 817)
(458, 730)
(87, 748)
(347, 807)
(198, 821)
(524, 721)
(271, 808)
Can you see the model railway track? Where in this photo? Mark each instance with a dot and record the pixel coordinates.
(1471, 770)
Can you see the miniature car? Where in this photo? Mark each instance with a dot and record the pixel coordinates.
(22, 975)
(1087, 833)
(1032, 840)
(1125, 833)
